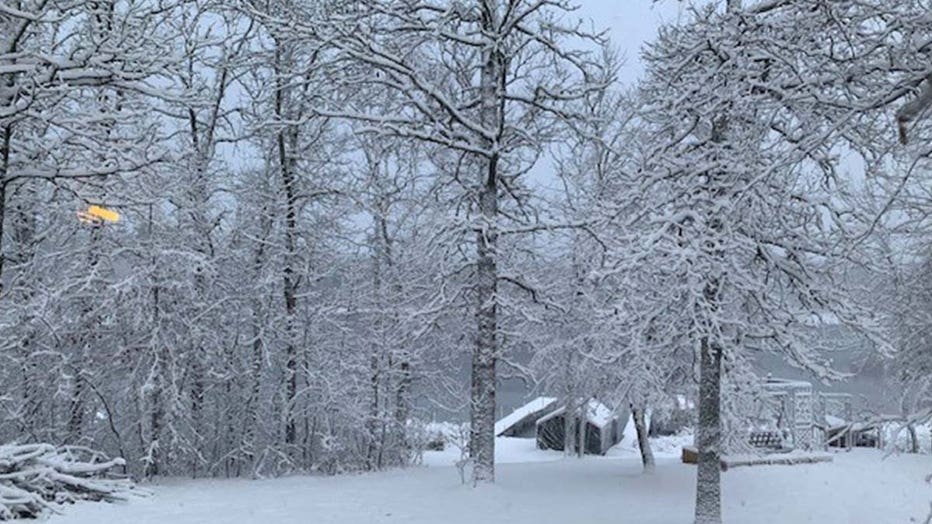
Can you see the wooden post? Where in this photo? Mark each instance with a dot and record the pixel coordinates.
(849, 417)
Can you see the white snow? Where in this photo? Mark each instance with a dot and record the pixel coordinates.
(663, 447)
(859, 487)
(538, 404)
(507, 451)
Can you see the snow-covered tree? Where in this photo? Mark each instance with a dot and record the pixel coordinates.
(739, 221)
(79, 80)
(487, 84)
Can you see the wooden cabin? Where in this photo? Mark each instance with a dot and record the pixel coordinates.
(522, 422)
(603, 429)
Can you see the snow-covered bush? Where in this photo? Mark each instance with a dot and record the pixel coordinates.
(672, 417)
(34, 478)
(898, 437)
(437, 436)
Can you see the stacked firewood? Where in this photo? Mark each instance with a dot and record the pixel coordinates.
(35, 478)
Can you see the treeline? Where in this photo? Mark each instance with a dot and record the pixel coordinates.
(327, 205)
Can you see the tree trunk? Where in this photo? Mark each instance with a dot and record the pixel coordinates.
(81, 341)
(569, 429)
(4, 167)
(581, 428)
(482, 438)
(709, 431)
(76, 407)
(491, 90)
(251, 433)
(569, 409)
(913, 439)
(198, 390)
(640, 425)
(154, 400)
(403, 408)
(289, 278)
(709, 435)
(6, 139)
(376, 439)
(372, 425)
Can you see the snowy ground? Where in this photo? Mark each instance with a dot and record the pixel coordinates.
(524, 450)
(860, 487)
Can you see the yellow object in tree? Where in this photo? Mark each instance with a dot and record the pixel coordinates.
(103, 213)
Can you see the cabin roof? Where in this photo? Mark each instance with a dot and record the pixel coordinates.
(538, 404)
(597, 414)
(777, 384)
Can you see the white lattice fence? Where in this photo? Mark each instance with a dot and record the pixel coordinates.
(797, 414)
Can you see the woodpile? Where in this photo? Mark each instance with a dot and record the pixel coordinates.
(36, 478)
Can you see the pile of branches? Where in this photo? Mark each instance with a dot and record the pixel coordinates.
(35, 478)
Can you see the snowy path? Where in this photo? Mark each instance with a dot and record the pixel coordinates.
(858, 488)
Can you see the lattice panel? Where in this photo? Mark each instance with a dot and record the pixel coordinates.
(804, 419)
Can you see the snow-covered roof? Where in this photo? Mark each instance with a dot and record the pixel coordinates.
(538, 404)
(597, 414)
(785, 384)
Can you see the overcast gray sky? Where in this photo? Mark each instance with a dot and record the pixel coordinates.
(631, 23)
